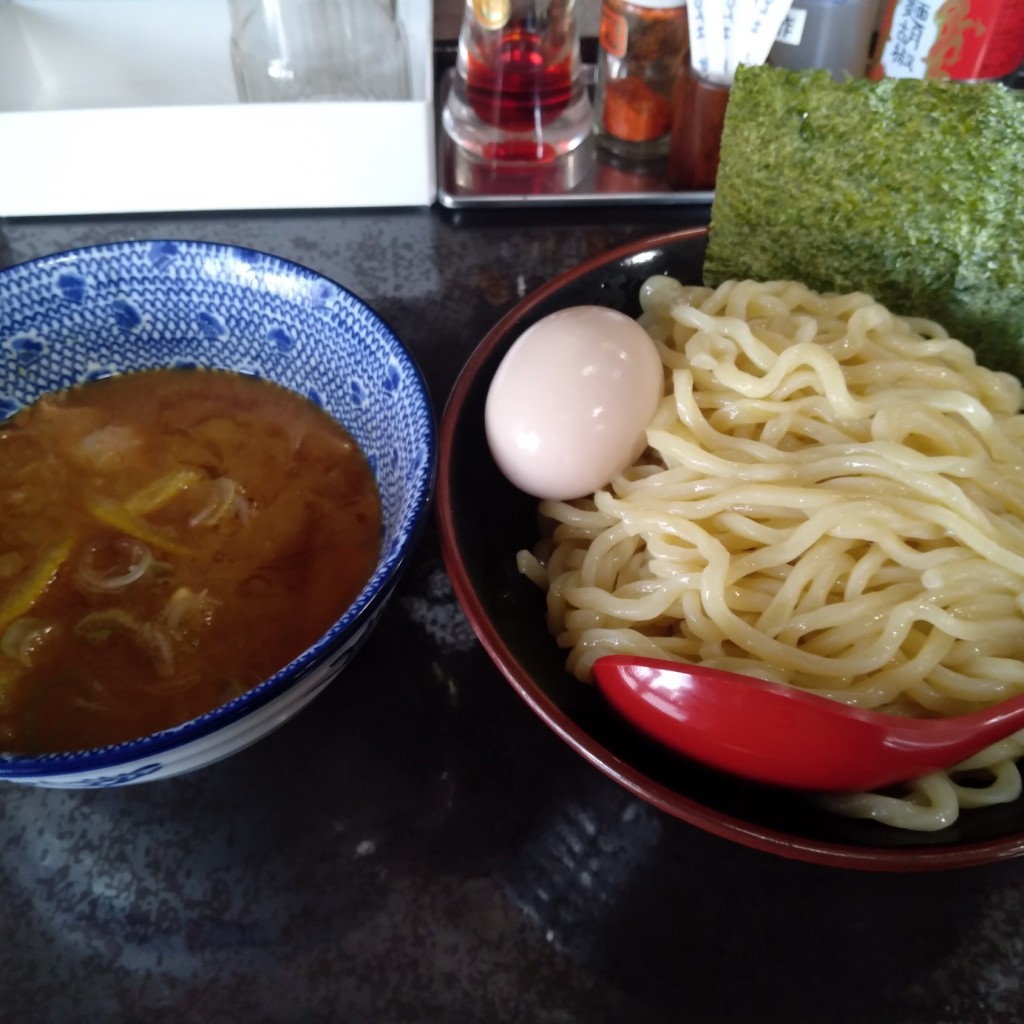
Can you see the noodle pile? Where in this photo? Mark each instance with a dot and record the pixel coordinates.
(832, 497)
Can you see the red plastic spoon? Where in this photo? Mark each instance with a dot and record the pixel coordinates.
(785, 736)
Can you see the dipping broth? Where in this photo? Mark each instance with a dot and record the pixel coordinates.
(168, 540)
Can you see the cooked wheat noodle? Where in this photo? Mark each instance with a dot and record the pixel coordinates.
(832, 497)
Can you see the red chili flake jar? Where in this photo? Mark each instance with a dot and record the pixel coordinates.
(958, 39)
(641, 48)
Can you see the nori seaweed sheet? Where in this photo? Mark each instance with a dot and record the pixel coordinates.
(909, 190)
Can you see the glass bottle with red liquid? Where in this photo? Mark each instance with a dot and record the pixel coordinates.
(518, 96)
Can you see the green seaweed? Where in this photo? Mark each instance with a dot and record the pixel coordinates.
(909, 190)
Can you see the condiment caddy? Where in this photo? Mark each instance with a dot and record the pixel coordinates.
(601, 178)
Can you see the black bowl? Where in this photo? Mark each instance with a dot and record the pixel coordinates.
(484, 521)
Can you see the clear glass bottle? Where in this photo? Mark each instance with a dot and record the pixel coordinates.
(301, 50)
(518, 95)
(642, 44)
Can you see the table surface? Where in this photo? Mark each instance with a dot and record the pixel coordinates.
(416, 846)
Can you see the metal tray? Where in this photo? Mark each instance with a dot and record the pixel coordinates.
(463, 183)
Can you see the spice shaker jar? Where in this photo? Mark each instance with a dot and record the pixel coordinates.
(642, 44)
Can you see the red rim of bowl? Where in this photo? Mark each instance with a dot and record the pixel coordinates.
(672, 802)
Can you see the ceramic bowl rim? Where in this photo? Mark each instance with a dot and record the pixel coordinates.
(15, 766)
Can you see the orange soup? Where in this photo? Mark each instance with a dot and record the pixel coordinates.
(168, 539)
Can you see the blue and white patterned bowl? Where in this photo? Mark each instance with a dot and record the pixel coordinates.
(107, 309)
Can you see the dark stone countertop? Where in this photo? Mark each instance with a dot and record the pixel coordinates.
(416, 846)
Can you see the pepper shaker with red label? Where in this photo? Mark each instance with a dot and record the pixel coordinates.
(973, 40)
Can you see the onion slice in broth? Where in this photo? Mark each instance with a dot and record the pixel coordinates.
(23, 638)
(113, 565)
(220, 501)
(98, 627)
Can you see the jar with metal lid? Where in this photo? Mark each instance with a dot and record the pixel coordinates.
(642, 44)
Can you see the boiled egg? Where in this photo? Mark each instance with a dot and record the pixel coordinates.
(568, 409)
